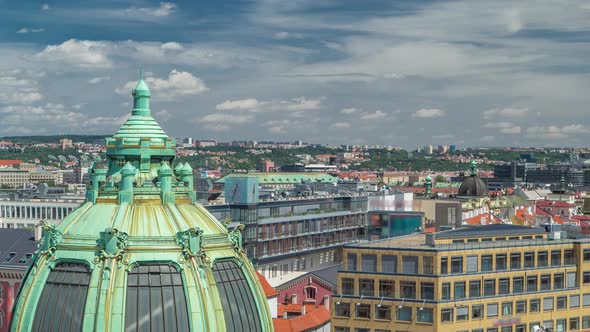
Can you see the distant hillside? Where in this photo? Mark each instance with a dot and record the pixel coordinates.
(55, 138)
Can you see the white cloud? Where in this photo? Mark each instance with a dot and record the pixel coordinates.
(163, 115)
(505, 113)
(498, 125)
(177, 84)
(165, 9)
(511, 130)
(18, 90)
(487, 138)
(224, 121)
(556, 132)
(377, 115)
(99, 79)
(429, 113)
(282, 35)
(45, 7)
(349, 110)
(575, 129)
(80, 53)
(341, 125)
(253, 105)
(30, 30)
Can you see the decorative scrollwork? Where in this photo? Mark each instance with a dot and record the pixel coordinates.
(50, 239)
(235, 237)
(112, 243)
(190, 241)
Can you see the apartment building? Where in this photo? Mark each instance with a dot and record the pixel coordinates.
(495, 278)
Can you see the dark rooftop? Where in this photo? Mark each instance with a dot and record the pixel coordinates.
(17, 247)
(490, 230)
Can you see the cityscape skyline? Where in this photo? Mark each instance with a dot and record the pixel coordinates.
(403, 74)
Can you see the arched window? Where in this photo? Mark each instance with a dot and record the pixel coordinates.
(1, 319)
(237, 299)
(155, 299)
(62, 301)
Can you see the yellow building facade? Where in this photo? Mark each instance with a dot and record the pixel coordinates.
(495, 278)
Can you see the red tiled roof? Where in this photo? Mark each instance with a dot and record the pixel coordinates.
(269, 291)
(487, 218)
(10, 162)
(317, 316)
(548, 203)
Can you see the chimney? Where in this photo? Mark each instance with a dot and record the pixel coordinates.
(303, 310)
(38, 232)
(294, 299)
(327, 301)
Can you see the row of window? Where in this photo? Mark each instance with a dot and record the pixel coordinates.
(510, 308)
(461, 289)
(559, 325)
(384, 312)
(461, 264)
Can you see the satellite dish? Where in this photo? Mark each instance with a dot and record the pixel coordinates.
(536, 328)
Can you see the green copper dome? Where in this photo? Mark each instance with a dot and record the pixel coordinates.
(140, 254)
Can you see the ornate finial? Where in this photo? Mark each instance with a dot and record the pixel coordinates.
(473, 168)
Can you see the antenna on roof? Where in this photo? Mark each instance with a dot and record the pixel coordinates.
(141, 73)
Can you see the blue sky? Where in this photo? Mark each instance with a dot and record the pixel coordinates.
(405, 73)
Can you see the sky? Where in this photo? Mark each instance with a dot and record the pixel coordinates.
(403, 73)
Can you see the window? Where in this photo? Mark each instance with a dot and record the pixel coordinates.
(503, 286)
(237, 299)
(363, 311)
(427, 290)
(492, 310)
(558, 281)
(560, 325)
(492, 329)
(457, 264)
(586, 322)
(66, 278)
(568, 257)
(383, 312)
(472, 263)
(459, 290)
(520, 328)
(446, 291)
(506, 329)
(477, 311)
(425, 315)
(531, 283)
(386, 288)
(404, 313)
(529, 259)
(586, 255)
(555, 257)
(545, 282)
(347, 286)
(446, 315)
(486, 263)
(489, 287)
(517, 285)
(463, 313)
(368, 263)
(342, 309)
(427, 265)
(548, 303)
(571, 280)
(574, 301)
(408, 289)
(500, 262)
(507, 308)
(475, 288)
(521, 307)
(444, 265)
(586, 277)
(351, 262)
(542, 259)
(574, 323)
(534, 305)
(586, 299)
(515, 261)
(367, 287)
(389, 264)
(561, 302)
(410, 264)
(341, 329)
